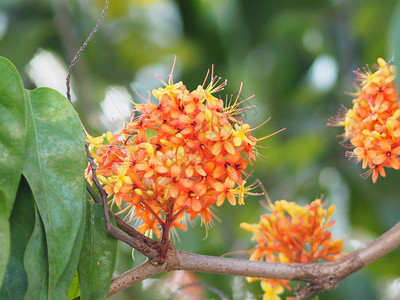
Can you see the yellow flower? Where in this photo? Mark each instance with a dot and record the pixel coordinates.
(271, 292)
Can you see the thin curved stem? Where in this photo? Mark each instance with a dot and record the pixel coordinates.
(84, 45)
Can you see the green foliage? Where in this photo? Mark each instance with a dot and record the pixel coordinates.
(12, 149)
(4, 236)
(22, 221)
(54, 166)
(43, 225)
(97, 261)
(12, 131)
(35, 262)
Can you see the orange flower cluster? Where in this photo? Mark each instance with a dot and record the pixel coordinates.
(292, 234)
(179, 155)
(373, 125)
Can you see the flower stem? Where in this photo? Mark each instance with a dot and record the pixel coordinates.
(169, 219)
(152, 212)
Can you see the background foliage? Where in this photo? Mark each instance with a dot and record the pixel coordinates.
(296, 57)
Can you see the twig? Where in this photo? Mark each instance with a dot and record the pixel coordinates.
(96, 198)
(68, 38)
(143, 271)
(103, 194)
(321, 276)
(84, 45)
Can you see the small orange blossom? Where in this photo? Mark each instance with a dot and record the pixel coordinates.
(372, 125)
(292, 234)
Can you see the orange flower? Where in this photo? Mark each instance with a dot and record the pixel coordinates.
(177, 157)
(372, 125)
(293, 234)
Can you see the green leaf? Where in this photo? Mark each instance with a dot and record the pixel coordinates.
(4, 236)
(97, 261)
(36, 265)
(35, 262)
(12, 131)
(22, 221)
(74, 290)
(54, 166)
(61, 289)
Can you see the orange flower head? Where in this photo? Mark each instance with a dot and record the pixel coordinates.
(372, 125)
(177, 157)
(291, 233)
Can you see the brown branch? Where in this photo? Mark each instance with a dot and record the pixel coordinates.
(234, 266)
(143, 271)
(320, 276)
(138, 274)
(143, 244)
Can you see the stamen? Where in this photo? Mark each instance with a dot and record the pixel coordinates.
(272, 134)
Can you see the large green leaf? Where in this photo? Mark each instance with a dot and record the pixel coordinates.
(97, 261)
(54, 168)
(61, 289)
(12, 131)
(36, 265)
(22, 221)
(35, 262)
(4, 236)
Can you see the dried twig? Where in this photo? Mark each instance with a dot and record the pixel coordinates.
(84, 45)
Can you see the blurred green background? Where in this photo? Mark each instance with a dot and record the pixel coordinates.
(297, 57)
